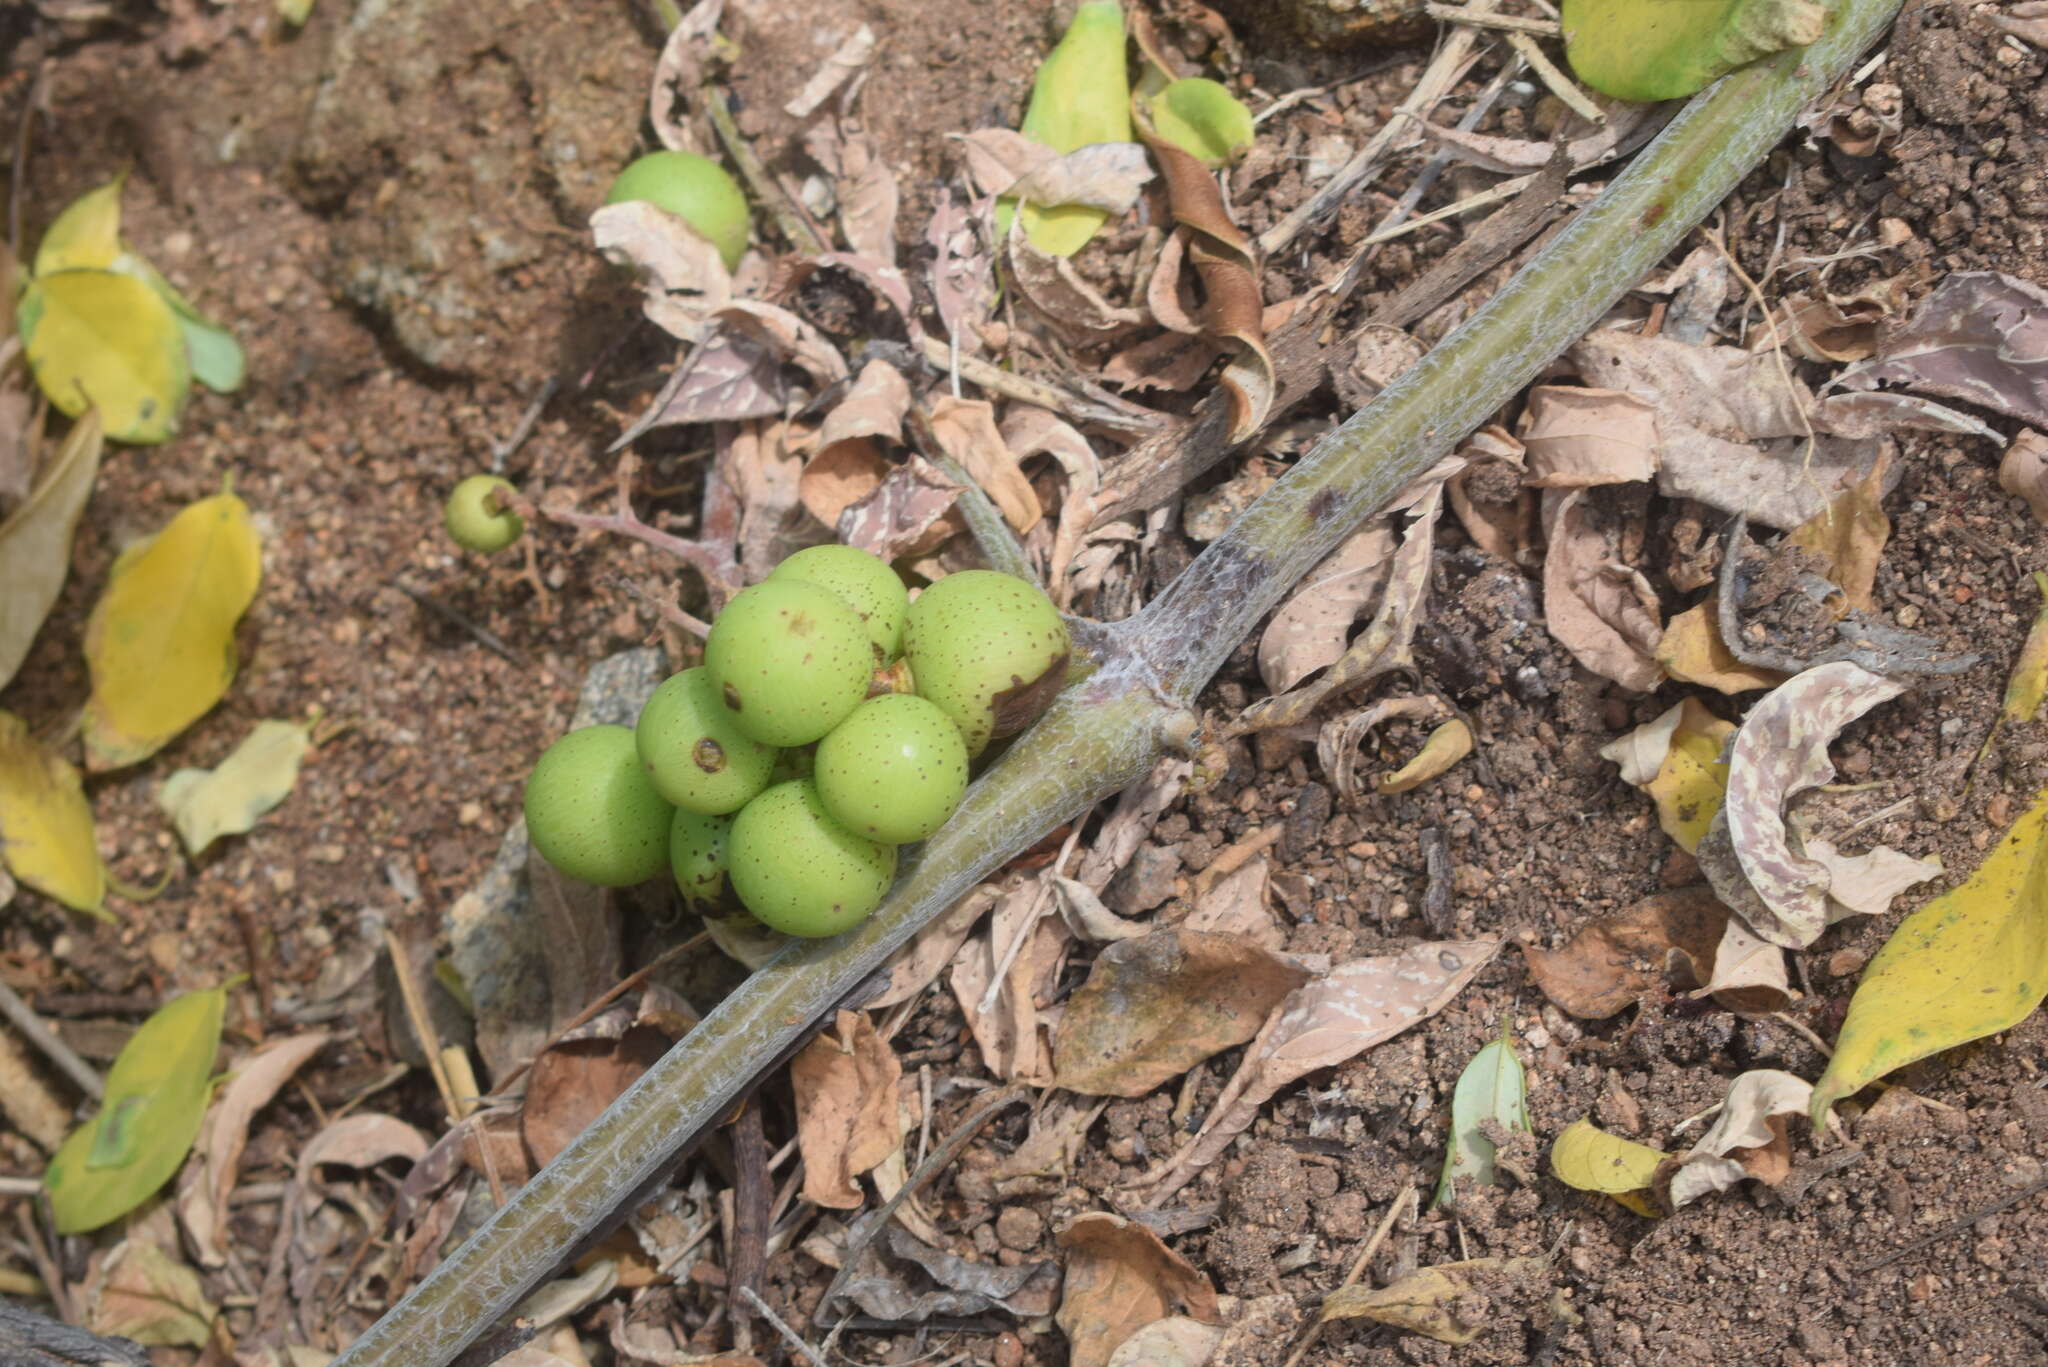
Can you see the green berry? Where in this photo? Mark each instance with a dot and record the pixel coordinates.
(894, 770)
(989, 649)
(697, 756)
(696, 854)
(791, 660)
(695, 189)
(864, 582)
(593, 814)
(798, 870)
(475, 520)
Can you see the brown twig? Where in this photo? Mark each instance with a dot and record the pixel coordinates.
(485, 637)
(712, 557)
(58, 1052)
(1358, 1265)
(789, 1335)
(1955, 1227)
(748, 1256)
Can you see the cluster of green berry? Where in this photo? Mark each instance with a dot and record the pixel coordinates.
(791, 763)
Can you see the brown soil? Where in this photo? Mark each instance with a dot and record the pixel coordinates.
(390, 213)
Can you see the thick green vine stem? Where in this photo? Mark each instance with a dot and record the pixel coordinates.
(1107, 729)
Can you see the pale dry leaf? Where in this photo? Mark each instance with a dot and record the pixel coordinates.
(1780, 751)
(1236, 905)
(874, 406)
(361, 1140)
(760, 464)
(844, 62)
(1171, 361)
(847, 1120)
(229, 799)
(1865, 884)
(909, 513)
(1052, 286)
(582, 928)
(966, 430)
(867, 197)
(1640, 753)
(1089, 919)
(1120, 1277)
(918, 964)
(1747, 974)
(1321, 1024)
(145, 1294)
(789, 336)
(1030, 431)
(1981, 336)
(1103, 175)
(1599, 609)
(1175, 1341)
(204, 1185)
(1611, 963)
(962, 281)
(1312, 627)
(729, 377)
(2022, 472)
(1155, 1006)
(994, 980)
(997, 158)
(1497, 512)
(573, 1081)
(744, 940)
(1577, 437)
(684, 282)
(1748, 1138)
(841, 476)
(1137, 811)
(1626, 127)
(679, 74)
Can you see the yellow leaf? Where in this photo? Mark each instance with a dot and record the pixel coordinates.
(1691, 650)
(2029, 682)
(1590, 1159)
(87, 235)
(1692, 780)
(95, 337)
(1970, 963)
(1082, 95)
(45, 825)
(205, 804)
(161, 641)
(1850, 534)
(1431, 1301)
(35, 542)
(1446, 745)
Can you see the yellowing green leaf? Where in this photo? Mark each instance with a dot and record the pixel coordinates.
(99, 338)
(35, 541)
(295, 12)
(1666, 49)
(1590, 1159)
(1432, 1301)
(156, 1097)
(46, 830)
(216, 357)
(1492, 1087)
(206, 804)
(1970, 963)
(161, 640)
(2029, 682)
(1082, 95)
(87, 235)
(1203, 119)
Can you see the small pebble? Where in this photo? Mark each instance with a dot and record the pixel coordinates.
(1020, 1228)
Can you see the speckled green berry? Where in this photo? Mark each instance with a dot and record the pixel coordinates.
(798, 870)
(694, 751)
(989, 649)
(696, 855)
(593, 814)
(474, 518)
(695, 189)
(864, 582)
(894, 770)
(791, 660)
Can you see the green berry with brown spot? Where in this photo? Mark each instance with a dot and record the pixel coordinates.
(989, 649)
(798, 870)
(865, 582)
(592, 812)
(790, 659)
(694, 750)
(477, 519)
(894, 770)
(696, 855)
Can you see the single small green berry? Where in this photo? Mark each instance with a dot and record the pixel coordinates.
(791, 660)
(592, 812)
(695, 752)
(695, 189)
(894, 770)
(798, 870)
(475, 517)
(696, 854)
(989, 649)
(865, 582)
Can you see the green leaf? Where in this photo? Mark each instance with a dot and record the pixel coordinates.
(87, 235)
(1970, 963)
(1082, 95)
(1664, 49)
(1492, 1087)
(156, 1097)
(1203, 119)
(206, 804)
(108, 341)
(217, 360)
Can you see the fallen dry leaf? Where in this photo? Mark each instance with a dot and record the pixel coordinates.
(1677, 760)
(684, 281)
(2023, 472)
(892, 1290)
(1155, 1006)
(839, 67)
(918, 964)
(573, 1081)
(1175, 1341)
(847, 1119)
(966, 430)
(1611, 963)
(1747, 1140)
(1447, 744)
(1576, 438)
(145, 1294)
(1452, 1302)
(1981, 336)
(1236, 905)
(1691, 651)
(1121, 1277)
(1321, 1024)
(1313, 626)
(203, 1188)
(1599, 608)
(1850, 535)
(1497, 512)
(909, 513)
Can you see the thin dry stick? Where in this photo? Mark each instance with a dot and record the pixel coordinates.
(1955, 1227)
(799, 230)
(31, 1026)
(422, 1023)
(1358, 1265)
(54, 1285)
(789, 1335)
(1464, 14)
(1560, 84)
